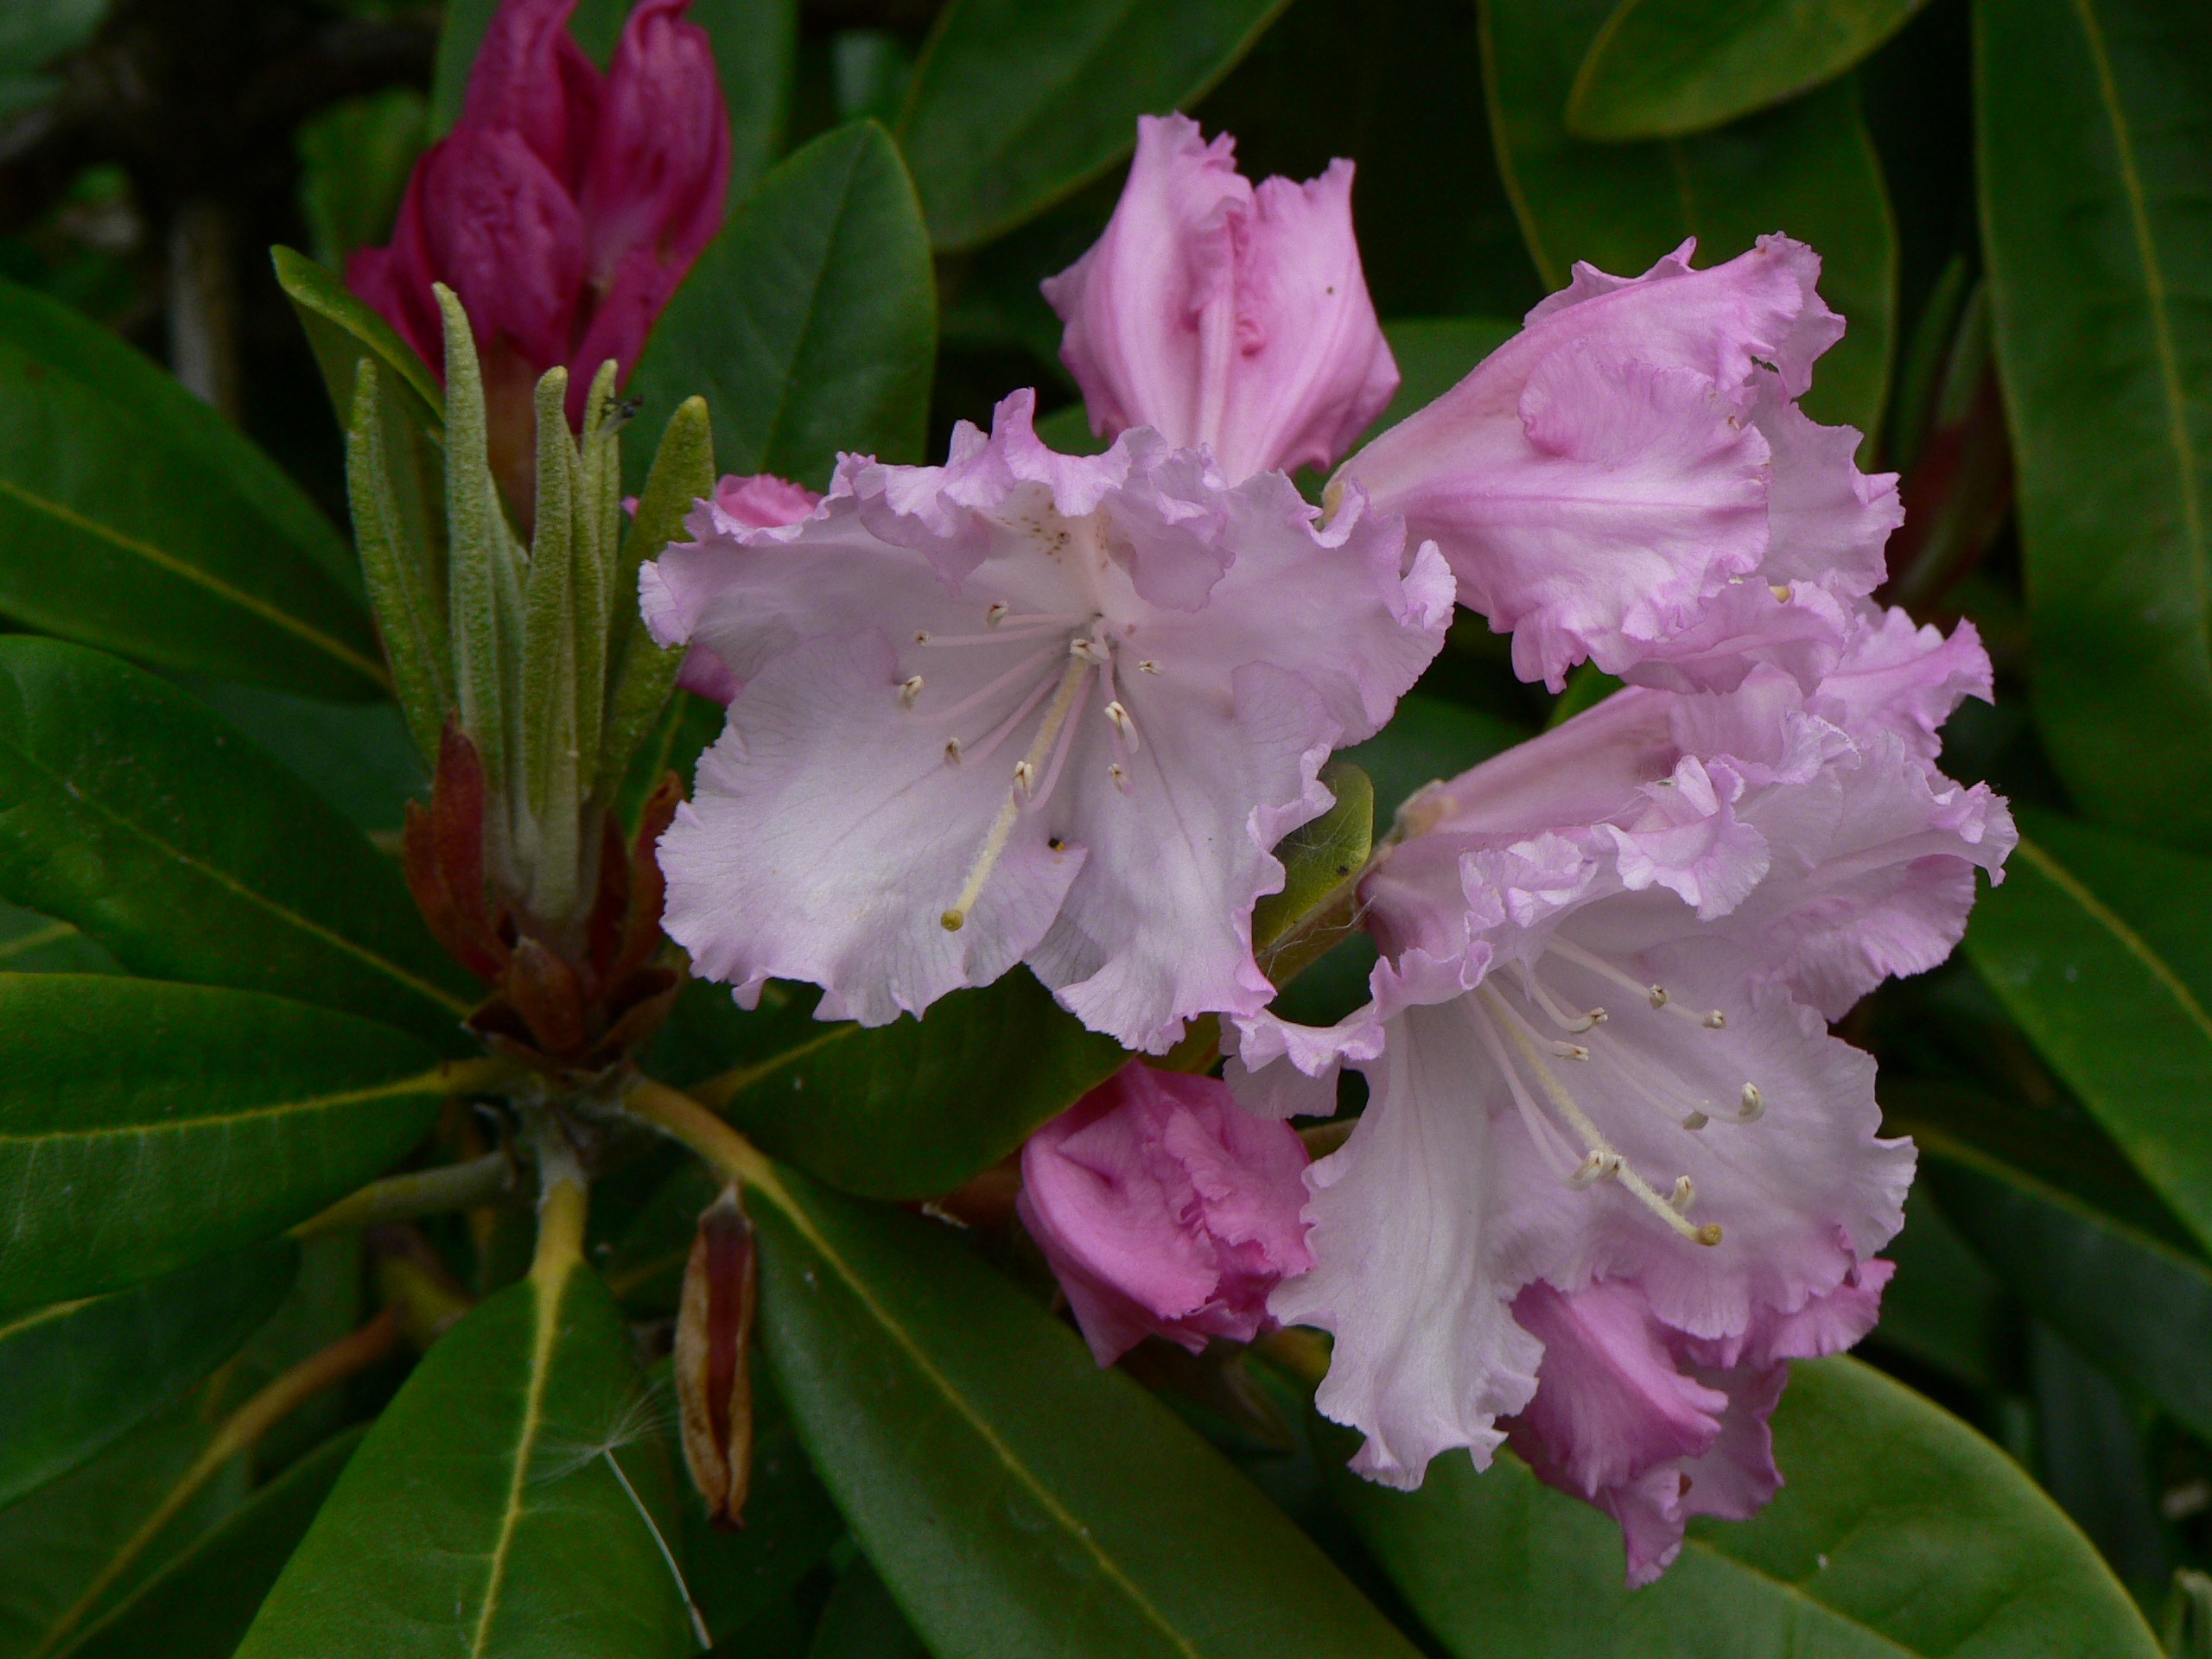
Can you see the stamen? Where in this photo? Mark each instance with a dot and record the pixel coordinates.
(995, 839)
(1089, 651)
(996, 613)
(1539, 1127)
(1028, 664)
(948, 641)
(1000, 732)
(1658, 995)
(909, 689)
(951, 751)
(1621, 1170)
(1025, 777)
(1145, 665)
(1570, 1051)
(1124, 727)
(1696, 1121)
(1750, 1105)
(1574, 1025)
(1683, 1196)
(1120, 774)
(1780, 590)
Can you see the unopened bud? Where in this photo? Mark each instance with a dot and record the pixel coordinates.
(713, 1327)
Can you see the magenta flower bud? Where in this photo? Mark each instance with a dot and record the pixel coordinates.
(1630, 480)
(1165, 1209)
(564, 207)
(1225, 315)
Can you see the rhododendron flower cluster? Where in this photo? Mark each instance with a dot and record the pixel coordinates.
(1614, 1173)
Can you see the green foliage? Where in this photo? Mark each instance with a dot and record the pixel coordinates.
(1016, 1497)
(1015, 103)
(809, 323)
(1901, 1531)
(74, 1375)
(486, 1500)
(132, 517)
(1661, 68)
(1808, 167)
(144, 1127)
(2091, 115)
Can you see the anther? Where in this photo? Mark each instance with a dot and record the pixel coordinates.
(909, 689)
(951, 751)
(1716, 1020)
(1570, 1051)
(1120, 777)
(1024, 779)
(997, 614)
(1147, 665)
(921, 636)
(1683, 1196)
(1695, 1121)
(1780, 590)
(1658, 996)
(1122, 723)
(1087, 650)
(1593, 1168)
(1750, 1105)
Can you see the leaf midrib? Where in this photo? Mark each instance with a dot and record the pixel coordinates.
(2161, 338)
(282, 913)
(422, 1083)
(545, 1303)
(2129, 940)
(1008, 1458)
(185, 571)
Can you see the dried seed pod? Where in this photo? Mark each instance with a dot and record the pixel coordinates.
(714, 1328)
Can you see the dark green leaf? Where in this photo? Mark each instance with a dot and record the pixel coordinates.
(2098, 946)
(2128, 1302)
(144, 1127)
(343, 330)
(1322, 862)
(354, 160)
(1943, 1307)
(906, 1110)
(1068, 430)
(31, 943)
(32, 33)
(809, 323)
(484, 1515)
(461, 31)
(129, 809)
(55, 1543)
(755, 43)
(133, 517)
(1017, 1498)
(2094, 196)
(75, 1375)
(1901, 1532)
(1434, 354)
(1015, 103)
(199, 1605)
(860, 1621)
(1807, 168)
(1660, 68)
(356, 755)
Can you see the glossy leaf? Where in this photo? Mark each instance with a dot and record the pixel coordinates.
(74, 1375)
(32, 944)
(906, 1110)
(144, 1127)
(1808, 169)
(1015, 103)
(133, 517)
(2094, 195)
(1016, 1497)
(809, 323)
(1660, 68)
(482, 1515)
(199, 1605)
(860, 1621)
(1943, 1307)
(54, 1543)
(1901, 1532)
(130, 811)
(2129, 1303)
(2100, 947)
(357, 756)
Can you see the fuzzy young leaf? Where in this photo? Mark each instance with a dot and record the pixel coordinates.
(641, 675)
(400, 562)
(547, 789)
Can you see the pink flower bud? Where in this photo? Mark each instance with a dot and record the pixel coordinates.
(1165, 1210)
(564, 206)
(1225, 315)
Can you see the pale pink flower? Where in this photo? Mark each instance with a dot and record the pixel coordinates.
(564, 207)
(1222, 314)
(1025, 707)
(1164, 1211)
(1598, 1055)
(757, 501)
(1629, 479)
